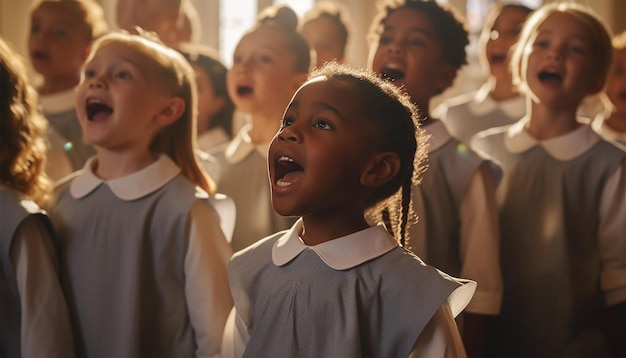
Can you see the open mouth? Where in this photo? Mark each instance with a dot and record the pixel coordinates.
(548, 76)
(244, 90)
(40, 56)
(392, 74)
(286, 170)
(95, 106)
(498, 58)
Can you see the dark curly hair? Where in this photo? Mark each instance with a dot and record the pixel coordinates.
(449, 26)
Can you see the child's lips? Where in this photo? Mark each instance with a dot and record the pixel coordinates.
(39, 56)
(244, 90)
(287, 171)
(550, 76)
(97, 109)
(392, 72)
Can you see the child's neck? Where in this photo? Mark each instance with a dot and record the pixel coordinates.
(546, 123)
(502, 89)
(58, 84)
(117, 164)
(318, 229)
(264, 126)
(617, 121)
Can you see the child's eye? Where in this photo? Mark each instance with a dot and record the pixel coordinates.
(541, 43)
(577, 49)
(60, 33)
(90, 73)
(384, 40)
(323, 124)
(35, 29)
(417, 43)
(237, 60)
(123, 75)
(286, 122)
(265, 59)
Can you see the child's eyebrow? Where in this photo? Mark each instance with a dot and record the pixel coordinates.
(323, 106)
(412, 30)
(327, 107)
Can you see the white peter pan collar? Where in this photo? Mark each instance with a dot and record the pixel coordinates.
(241, 146)
(483, 103)
(438, 135)
(341, 253)
(600, 127)
(564, 147)
(130, 187)
(58, 102)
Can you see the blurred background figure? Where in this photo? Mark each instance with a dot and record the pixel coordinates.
(215, 108)
(497, 102)
(612, 122)
(60, 38)
(326, 29)
(270, 62)
(175, 21)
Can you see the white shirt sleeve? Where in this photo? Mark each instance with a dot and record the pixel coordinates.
(236, 336)
(46, 329)
(480, 243)
(440, 337)
(206, 279)
(612, 237)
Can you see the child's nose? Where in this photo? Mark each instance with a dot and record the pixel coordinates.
(555, 52)
(289, 134)
(394, 48)
(96, 82)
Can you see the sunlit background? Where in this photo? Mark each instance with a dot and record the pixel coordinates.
(224, 21)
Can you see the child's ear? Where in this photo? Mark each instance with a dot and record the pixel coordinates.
(381, 168)
(446, 77)
(173, 109)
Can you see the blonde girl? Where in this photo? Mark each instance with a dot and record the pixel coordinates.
(562, 199)
(144, 256)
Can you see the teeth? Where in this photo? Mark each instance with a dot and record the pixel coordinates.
(285, 159)
(282, 183)
(94, 100)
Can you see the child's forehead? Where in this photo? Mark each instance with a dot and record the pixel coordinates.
(408, 17)
(266, 35)
(65, 12)
(337, 92)
(125, 52)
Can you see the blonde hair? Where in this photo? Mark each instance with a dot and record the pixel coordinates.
(89, 12)
(602, 51)
(23, 146)
(177, 78)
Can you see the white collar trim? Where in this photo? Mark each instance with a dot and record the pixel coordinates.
(438, 133)
(483, 103)
(599, 125)
(58, 102)
(341, 253)
(130, 187)
(564, 147)
(241, 146)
